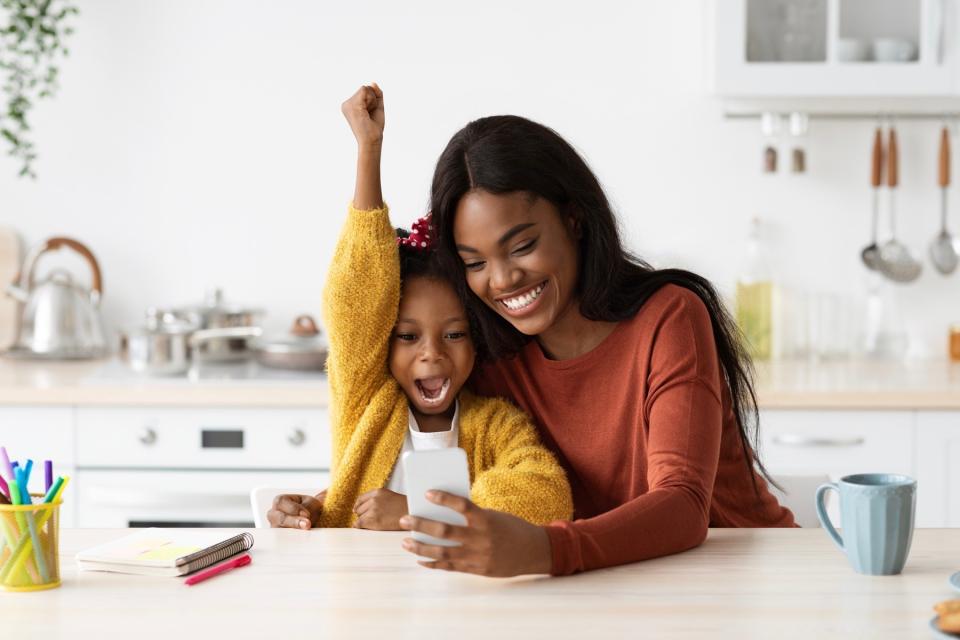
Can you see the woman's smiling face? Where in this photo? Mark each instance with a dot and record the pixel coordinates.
(520, 256)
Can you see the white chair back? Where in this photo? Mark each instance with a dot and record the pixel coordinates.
(798, 496)
(261, 499)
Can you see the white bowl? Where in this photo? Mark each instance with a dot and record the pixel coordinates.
(894, 50)
(853, 50)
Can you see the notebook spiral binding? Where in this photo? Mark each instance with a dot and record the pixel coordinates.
(221, 551)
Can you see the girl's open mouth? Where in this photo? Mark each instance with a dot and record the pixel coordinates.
(433, 391)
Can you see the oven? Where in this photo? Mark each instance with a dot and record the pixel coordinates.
(192, 467)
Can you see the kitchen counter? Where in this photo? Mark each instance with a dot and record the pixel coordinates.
(780, 385)
(111, 383)
(859, 384)
(343, 583)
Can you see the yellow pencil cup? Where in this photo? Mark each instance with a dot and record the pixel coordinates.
(29, 544)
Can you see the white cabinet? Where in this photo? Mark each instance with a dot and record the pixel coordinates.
(938, 467)
(836, 443)
(923, 444)
(42, 434)
(835, 48)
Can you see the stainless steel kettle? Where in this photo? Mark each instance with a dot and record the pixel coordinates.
(59, 319)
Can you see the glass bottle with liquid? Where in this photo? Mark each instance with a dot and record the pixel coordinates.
(754, 298)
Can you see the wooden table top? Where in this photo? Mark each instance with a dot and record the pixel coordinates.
(342, 583)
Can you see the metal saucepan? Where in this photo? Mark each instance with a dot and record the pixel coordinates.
(161, 346)
(214, 313)
(168, 342)
(301, 349)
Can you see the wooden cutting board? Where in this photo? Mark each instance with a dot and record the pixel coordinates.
(10, 259)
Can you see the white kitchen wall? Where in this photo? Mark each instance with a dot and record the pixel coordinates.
(199, 142)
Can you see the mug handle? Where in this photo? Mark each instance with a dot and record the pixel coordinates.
(822, 512)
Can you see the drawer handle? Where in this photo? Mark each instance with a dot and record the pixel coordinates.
(136, 498)
(147, 437)
(297, 437)
(812, 441)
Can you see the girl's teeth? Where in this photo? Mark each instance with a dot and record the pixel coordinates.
(437, 399)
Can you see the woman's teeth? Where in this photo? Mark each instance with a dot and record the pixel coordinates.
(432, 390)
(525, 300)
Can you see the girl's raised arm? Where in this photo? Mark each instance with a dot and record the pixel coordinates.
(364, 111)
(362, 292)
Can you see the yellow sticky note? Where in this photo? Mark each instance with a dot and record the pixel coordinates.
(168, 552)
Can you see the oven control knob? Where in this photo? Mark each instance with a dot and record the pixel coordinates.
(148, 436)
(297, 437)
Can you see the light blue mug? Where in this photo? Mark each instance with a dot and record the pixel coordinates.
(876, 516)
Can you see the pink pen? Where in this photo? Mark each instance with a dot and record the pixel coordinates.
(242, 561)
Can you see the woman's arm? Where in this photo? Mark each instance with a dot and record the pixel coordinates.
(674, 514)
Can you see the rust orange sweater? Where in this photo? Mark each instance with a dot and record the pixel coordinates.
(644, 426)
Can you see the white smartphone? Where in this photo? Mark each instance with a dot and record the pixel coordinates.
(441, 470)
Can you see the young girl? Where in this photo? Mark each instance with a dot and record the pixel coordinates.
(400, 351)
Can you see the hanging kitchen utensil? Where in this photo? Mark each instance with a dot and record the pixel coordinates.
(799, 125)
(770, 127)
(59, 319)
(943, 249)
(895, 260)
(871, 253)
(301, 349)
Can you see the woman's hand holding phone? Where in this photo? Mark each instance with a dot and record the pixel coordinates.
(491, 544)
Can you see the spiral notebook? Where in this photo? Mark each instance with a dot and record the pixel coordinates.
(163, 552)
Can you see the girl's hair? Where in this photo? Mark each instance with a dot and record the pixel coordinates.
(506, 154)
(417, 262)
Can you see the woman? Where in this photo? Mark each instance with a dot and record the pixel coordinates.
(636, 376)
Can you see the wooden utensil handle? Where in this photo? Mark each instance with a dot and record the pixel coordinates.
(944, 158)
(876, 166)
(53, 244)
(892, 175)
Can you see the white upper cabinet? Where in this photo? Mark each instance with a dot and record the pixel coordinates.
(836, 48)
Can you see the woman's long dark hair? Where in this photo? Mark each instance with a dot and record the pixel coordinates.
(506, 154)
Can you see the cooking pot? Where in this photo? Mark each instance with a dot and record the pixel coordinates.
(301, 349)
(168, 342)
(223, 346)
(161, 346)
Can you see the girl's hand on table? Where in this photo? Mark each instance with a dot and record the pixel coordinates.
(294, 511)
(492, 543)
(364, 112)
(380, 509)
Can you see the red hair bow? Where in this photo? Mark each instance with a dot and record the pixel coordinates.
(420, 237)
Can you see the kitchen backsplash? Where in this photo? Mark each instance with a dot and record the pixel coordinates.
(197, 168)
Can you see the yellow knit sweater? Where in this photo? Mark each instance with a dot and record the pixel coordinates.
(509, 469)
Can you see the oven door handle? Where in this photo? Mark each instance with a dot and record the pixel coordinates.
(126, 497)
